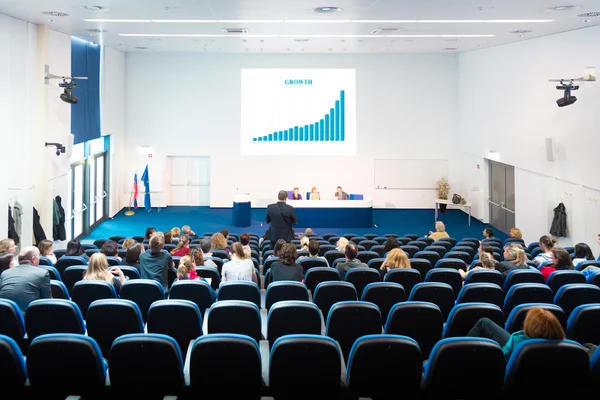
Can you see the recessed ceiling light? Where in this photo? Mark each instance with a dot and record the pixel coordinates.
(325, 10)
(55, 13)
(95, 8)
(521, 31)
(50, 20)
(385, 31)
(450, 48)
(301, 40)
(96, 30)
(562, 8)
(587, 20)
(115, 20)
(154, 39)
(451, 40)
(141, 48)
(590, 14)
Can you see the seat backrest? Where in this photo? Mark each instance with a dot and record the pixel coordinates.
(110, 318)
(146, 363)
(235, 316)
(222, 254)
(53, 316)
(361, 277)
(431, 256)
(384, 295)
(326, 294)
(572, 295)
(522, 276)
(11, 321)
(53, 272)
(72, 275)
(583, 326)
(85, 292)
(380, 364)
(365, 256)
(240, 290)
(179, 319)
(484, 276)
(563, 277)
(419, 320)
(410, 250)
(450, 276)
(129, 271)
(481, 293)
(75, 362)
(454, 263)
(564, 360)
(209, 272)
(305, 362)
(316, 275)
(461, 255)
(514, 320)
(59, 290)
(197, 291)
(584, 264)
(66, 261)
(454, 357)
(293, 317)
(142, 292)
(526, 293)
(285, 290)
(438, 293)
(407, 277)
(350, 320)
(464, 316)
(239, 366)
(12, 365)
(309, 263)
(418, 243)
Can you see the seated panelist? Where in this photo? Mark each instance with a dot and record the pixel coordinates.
(341, 195)
(314, 195)
(296, 195)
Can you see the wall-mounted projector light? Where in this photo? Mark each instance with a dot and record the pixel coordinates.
(67, 96)
(567, 99)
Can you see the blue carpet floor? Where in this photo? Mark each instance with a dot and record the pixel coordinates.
(206, 219)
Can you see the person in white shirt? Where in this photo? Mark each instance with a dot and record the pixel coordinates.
(582, 253)
(313, 251)
(546, 243)
(239, 268)
(45, 247)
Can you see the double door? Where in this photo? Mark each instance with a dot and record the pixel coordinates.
(502, 196)
(189, 182)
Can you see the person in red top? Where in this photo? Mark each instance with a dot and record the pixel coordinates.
(187, 268)
(561, 260)
(182, 248)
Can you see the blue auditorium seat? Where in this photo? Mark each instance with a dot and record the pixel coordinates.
(46, 316)
(454, 263)
(235, 316)
(360, 277)
(522, 293)
(481, 293)
(86, 292)
(450, 276)
(72, 275)
(461, 255)
(522, 276)
(293, 317)
(484, 276)
(208, 272)
(326, 294)
(179, 319)
(285, 290)
(407, 277)
(142, 292)
(59, 290)
(308, 263)
(197, 291)
(45, 261)
(559, 278)
(67, 261)
(419, 320)
(384, 295)
(514, 320)
(464, 316)
(572, 295)
(54, 274)
(11, 321)
(380, 365)
(13, 374)
(438, 293)
(316, 275)
(583, 326)
(240, 290)
(129, 271)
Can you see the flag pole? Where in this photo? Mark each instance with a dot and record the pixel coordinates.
(129, 213)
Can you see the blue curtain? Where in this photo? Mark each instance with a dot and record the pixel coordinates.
(85, 115)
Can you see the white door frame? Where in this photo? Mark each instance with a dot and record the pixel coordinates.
(189, 181)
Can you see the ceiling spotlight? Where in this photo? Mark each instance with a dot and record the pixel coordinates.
(590, 14)
(562, 8)
(95, 8)
(450, 48)
(96, 30)
(325, 10)
(55, 14)
(587, 20)
(567, 99)
(521, 31)
(141, 48)
(67, 95)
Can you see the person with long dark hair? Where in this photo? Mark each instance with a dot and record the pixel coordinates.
(582, 253)
(74, 248)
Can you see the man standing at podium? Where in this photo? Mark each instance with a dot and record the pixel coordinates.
(281, 217)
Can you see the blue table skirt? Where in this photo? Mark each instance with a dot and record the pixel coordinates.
(335, 217)
(242, 214)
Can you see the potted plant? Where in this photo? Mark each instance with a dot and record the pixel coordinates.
(442, 189)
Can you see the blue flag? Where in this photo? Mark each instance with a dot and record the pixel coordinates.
(146, 181)
(135, 191)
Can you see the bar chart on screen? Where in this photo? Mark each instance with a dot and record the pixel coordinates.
(298, 112)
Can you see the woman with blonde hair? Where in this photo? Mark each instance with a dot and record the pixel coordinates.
(45, 247)
(515, 233)
(396, 258)
(176, 232)
(304, 241)
(487, 262)
(539, 324)
(219, 242)
(514, 258)
(182, 248)
(97, 270)
(187, 268)
(341, 244)
(314, 195)
(127, 243)
(440, 231)
(8, 246)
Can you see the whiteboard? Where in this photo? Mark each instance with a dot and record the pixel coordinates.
(409, 174)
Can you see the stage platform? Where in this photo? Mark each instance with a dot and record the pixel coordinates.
(338, 213)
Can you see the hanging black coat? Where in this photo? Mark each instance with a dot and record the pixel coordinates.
(38, 231)
(12, 232)
(58, 229)
(559, 222)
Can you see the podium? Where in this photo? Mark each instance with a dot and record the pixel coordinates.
(242, 210)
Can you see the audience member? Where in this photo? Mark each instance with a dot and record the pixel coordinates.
(515, 233)
(245, 240)
(546, 243)
(296, 195)
(149, 232)
(198, 257)
(110, 248)
(341, 195)
(75, 249)
(7, 260)
(238, 269)
(561, 260)
(45, 247)
(440, 231)
(132, 257)
(341, 244)
(390, 244)
(304, 240)
(514, 258)
(186, 230)
(396, 258)
(539, 324)
(309, 232)
(97, 270)
(314, 195)
(168, 237)
(487, 262)
(277, 249)
(205, 248)
(8, 246)
(488, 233)
(127, 243)
(313, 253)
(187, 268)
(175, 232)
(485, 248)
(286, 268)
(154, 263)
(225, 234)
(182, 248)
(350, 252)
(281, 218)
(219, 242)
(25, 282)
(582, 253)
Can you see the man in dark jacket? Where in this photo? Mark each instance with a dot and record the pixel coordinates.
(281, 217)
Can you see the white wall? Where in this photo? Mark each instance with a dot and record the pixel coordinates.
(188, 104)
(31, 114)
(508, 105)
